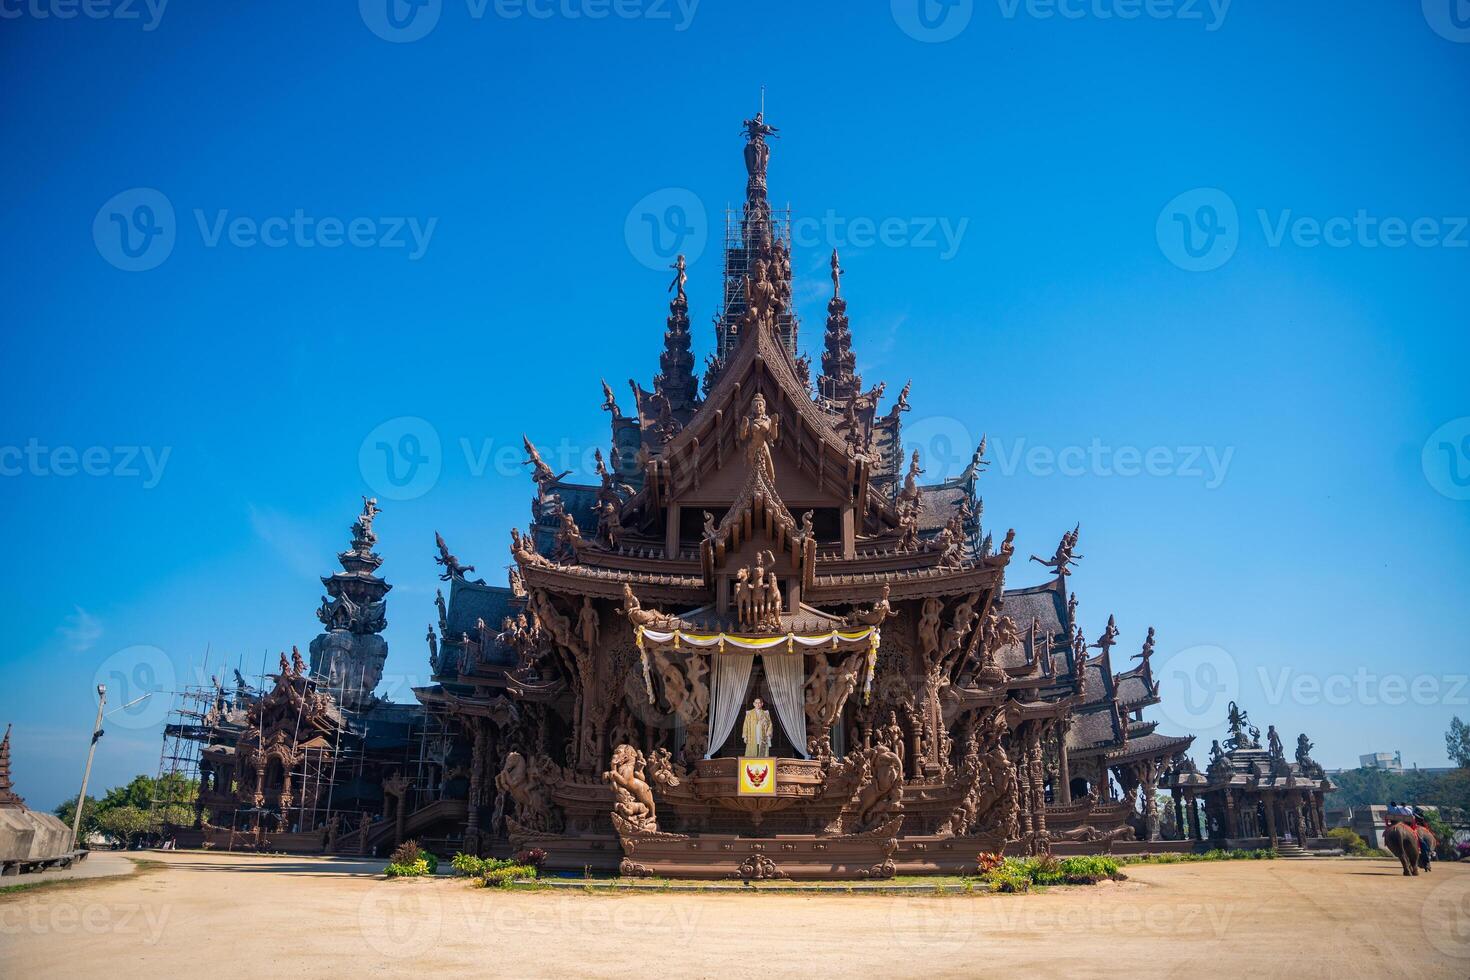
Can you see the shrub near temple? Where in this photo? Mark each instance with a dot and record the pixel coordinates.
(411, 861)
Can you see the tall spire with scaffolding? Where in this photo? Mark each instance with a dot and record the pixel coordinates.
(760, 236)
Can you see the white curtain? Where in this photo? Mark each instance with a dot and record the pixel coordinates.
(728, 680)
(787, 681)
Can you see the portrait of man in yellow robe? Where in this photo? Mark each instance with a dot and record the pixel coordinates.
(757, 729)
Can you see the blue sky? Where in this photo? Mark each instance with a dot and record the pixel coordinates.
(184, 446)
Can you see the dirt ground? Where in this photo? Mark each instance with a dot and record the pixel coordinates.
(221, 914)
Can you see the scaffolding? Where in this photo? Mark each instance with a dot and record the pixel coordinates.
(329, 779)
(743, 245)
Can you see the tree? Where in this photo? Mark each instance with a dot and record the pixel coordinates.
(66, 812)
(125, 823)
(1457, 742)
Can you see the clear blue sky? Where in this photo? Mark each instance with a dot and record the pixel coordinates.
(1064, 317)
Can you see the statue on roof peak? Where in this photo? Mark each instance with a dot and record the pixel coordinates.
(757, 153)
(836, 276)
(680, 278)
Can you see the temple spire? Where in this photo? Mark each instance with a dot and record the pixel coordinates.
(676, 380)
(757, 256)
(839, 380)
(7, 795)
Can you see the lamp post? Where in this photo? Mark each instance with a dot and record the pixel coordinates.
(76, 818)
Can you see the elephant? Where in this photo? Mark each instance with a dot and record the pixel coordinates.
(1401, 839)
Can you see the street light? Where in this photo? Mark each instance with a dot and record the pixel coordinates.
(97, 733)
(76, 817)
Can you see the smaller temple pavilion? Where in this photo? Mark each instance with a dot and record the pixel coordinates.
(1253, 796)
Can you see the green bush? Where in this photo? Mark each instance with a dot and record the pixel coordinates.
(507, 873)
(1350, 842)
(1088, 870)
(414, 869)
(408, 860)
(468, 865)
(1008, 878)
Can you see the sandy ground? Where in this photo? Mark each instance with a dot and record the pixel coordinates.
(232, 915)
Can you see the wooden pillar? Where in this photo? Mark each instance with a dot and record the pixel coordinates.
(1064, 768)
(671, 533)
(1179, 813)
(477, 764)
(1271, 819)
(1038, 778)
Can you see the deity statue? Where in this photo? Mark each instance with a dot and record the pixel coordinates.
(680, 278)
(837, 282)
(452, 567)
(1064, 558)
(757, 729)
(757, 153)
(760, 432)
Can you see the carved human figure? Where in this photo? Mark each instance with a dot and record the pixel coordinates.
(760, 432)
(757, 729)
(587, 623)
(680, 278)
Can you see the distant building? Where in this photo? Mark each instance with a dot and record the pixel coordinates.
(1388, 761)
